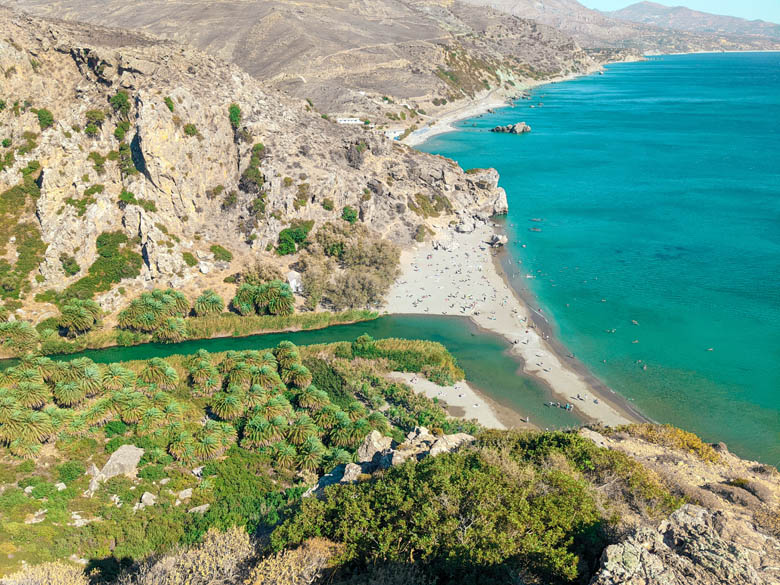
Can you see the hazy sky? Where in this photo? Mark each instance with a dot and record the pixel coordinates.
(764, 9)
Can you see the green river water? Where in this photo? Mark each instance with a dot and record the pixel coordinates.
(483, 356)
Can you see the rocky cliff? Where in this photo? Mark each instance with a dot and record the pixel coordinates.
(168, 169)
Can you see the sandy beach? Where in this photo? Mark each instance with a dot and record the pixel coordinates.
(461, 278)
(462, 401)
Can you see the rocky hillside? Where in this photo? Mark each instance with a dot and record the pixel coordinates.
(122, 157)
(347, 56)
(594, 29)
(694, 21)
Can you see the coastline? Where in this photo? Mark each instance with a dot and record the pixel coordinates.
(495, 98)
(433, 276)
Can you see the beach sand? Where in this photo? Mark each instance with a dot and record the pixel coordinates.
(462, 278)
(461, 400)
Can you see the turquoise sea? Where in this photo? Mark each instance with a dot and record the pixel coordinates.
(658, 187)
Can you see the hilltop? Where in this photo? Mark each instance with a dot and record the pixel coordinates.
(694, 21)
(593, 29)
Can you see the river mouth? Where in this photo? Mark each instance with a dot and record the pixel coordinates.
(484, 356)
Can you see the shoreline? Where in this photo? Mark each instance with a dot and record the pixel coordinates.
(465, 262)
(495, 98)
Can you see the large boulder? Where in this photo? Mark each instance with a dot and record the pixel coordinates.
(374, 448)
(123, 461)
(694, 545)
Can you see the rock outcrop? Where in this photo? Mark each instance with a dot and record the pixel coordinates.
(694, 545)
(517, 128)
(123, 461)
(380, 452)
(180, 177)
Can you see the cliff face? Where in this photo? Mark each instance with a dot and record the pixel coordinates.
(183, 161)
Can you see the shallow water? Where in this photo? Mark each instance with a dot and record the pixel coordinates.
(658, 187)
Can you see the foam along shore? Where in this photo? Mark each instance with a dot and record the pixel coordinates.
(457, 275)
(488, 100)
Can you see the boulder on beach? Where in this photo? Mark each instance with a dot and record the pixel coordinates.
(518, 128)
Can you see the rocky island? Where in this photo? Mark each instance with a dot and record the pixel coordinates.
(517, 128)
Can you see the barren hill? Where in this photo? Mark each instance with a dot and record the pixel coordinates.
(694, 21)
(594, 29)
(347, 56)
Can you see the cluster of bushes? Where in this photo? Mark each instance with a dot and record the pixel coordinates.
(270, 298)
(160, 312)
(293, 238)
(347, 266)
(127, 198)
(116, 260)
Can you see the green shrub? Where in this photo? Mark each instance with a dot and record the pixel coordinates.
(45, 118)
(189, 259)
(190, 130)
(169, 102)
(293, 237)
(71, 471)
(120, 101)
(349, 214)
(234, 113)
(221, 254)
(121, 129)
(327, 204)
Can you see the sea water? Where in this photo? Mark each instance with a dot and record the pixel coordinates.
(658, 261)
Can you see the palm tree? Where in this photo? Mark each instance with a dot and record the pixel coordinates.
(312, 398)
(298, 375)
(79, 316)
(100, 412)
(134, 409)
(7, 405)
(69, 393)
(35, 427)
(31, 394)
(253, 358)
(337, 456)
(280, 298)
(310, 454)
(27, 375)
(240, 374)
(379, 422)
(255, 432)
(268, 359)
(209, 303)
(115, 377)
(24, 449)
(284, 455)
(227, 405)
(182, 447)
(171, 330)
(172, 411)
(276, 406)
(276, 428)
(90, 379)
(231, 359)
(325, 417)
(341, 434)
(360, 428)
(154, 371)
(301, 428)
(180, 301)
(77, 426)
(288, 359)
(355, 410)
(151, 419)
(244, 301)
(45, 366)
(266, 376)
(256, 396)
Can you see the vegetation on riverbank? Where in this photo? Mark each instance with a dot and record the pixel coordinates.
(263, 425)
